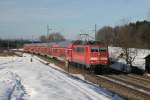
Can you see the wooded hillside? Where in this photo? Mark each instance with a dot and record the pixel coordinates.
(129, 35)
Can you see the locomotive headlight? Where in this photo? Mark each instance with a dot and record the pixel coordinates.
(94, 58)
(103, 58)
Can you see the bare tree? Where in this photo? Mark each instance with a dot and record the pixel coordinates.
(129, 54)
(125, 42)
(55, 37)
(43, 38)
(106, 35)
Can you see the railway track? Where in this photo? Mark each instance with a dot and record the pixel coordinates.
(131, 86)
(132, 83)
(136, 80)
(139, 77)
(126, 89)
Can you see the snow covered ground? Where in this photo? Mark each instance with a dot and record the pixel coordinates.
(139, 61)
(21, 79)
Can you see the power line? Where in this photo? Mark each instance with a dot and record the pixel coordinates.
(48, 31)
(95, 31)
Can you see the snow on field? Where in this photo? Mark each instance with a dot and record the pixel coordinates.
(21, 79)
(10, 86)
(139, 60)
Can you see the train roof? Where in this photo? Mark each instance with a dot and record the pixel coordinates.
(65, 44)
(37, 44)
(79, 42)
(51, 44)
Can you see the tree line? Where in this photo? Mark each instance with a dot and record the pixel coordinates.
(12, 44)
(135, 35)
(18, 43)
(53, 37)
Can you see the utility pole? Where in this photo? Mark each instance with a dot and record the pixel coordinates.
(95, 31)
(8, 44)
(32, 39)
(84, 36)
(47, 33)
(48, 29)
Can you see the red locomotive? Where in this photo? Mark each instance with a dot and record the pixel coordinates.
(89, 54)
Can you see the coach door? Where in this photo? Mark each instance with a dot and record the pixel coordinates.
(69, 54)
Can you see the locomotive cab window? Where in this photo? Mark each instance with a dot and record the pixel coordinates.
(94, 50)
(98, 50)
(101, 50)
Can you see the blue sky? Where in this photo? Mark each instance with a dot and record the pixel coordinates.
(24, 18)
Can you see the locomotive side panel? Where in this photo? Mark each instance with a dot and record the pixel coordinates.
(79, 54)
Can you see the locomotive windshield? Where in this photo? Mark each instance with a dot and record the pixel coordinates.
(96, 50)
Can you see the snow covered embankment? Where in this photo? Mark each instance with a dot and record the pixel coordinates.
(23, 79)
(10, 86)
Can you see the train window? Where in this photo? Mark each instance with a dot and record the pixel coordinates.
(102, 49)
(95, 50)
(79, 49)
